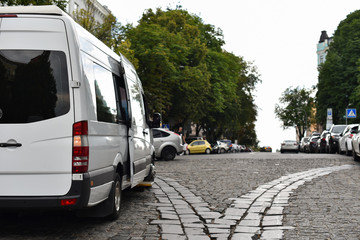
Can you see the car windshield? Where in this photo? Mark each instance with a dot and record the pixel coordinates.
(338, 129)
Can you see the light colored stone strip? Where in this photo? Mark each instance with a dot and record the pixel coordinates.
(259, 212)
(264, 206)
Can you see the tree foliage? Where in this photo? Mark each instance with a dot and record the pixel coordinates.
(338, 86)
(60, 3)
(295, 109)
(188, 77)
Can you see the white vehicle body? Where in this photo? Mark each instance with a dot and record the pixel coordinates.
(72, 115)
(289, 146)
(345, 138)
(167, 144)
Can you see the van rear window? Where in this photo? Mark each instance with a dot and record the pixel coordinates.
(34, 85)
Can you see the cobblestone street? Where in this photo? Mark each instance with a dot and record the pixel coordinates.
(225, 196)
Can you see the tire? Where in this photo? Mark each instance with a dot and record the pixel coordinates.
(356, 157)
(115, 197)
(347, 152)
(168, 153)
(222, 150)
(187, 152)
(207, 151)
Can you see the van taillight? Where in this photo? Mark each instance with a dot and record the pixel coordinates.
(80, 158)
(7, 15)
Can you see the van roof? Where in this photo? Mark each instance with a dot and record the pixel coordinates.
(45, 9)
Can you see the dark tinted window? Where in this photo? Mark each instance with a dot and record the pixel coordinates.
(105, 95)
(156, 133)
(122, 98)
(33, 85)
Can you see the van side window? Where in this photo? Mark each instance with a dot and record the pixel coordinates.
(122, 98)
(105, 95)
(137, 107)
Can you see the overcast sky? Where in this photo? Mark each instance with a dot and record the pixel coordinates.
(279, 36)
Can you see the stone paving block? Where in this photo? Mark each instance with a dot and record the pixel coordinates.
(214, 225)
(224, 221)
(194, 231)
(197, 237)
(171, 229)
(218, 230)
(231, 217)
(253, 216)
(242, 236)
(209, 215)
(220, 236)
(184, 211)
(272, 234)
(187, 216)
(169, 216)
(235, 211)
(167, 222)
(249, 223)
(193, 225)
(275, 220)
(172, 237)
(275, 211)
(247, 229)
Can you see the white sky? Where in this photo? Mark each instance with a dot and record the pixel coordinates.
(279, 36)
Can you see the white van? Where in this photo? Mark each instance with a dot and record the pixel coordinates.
(74, 130)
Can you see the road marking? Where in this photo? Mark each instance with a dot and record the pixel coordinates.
(259, 213)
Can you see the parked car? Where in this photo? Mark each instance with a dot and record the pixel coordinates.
(236, 148)
(322, 143)
(332, 139)
(266, 149)
(244, 148)
(167, 144)
(289, 146)
(229, 144)
(355, 144)
(313, 144)
(302, 144)
(199, 146)
(345, 139)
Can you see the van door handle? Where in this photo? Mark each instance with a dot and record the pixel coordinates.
(10, 144)
(145, 132)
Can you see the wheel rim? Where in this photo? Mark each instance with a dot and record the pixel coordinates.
(117, 196)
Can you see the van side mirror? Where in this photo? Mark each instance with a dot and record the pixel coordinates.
(156, 120)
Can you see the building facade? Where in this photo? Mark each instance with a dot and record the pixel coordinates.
(322, 47)
(100, 11)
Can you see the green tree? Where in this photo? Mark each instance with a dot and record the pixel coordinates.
(60, 3)
(295, 109)
(338, 85)
(187, 76)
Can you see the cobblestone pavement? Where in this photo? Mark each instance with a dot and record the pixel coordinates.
(225, 196)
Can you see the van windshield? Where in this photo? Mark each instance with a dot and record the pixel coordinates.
(33, 85)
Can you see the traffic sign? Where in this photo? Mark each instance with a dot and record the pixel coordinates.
(350, 113)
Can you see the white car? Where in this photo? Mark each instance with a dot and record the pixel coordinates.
(345, 145)
(289, 146)
(167, 144)
(355, 144)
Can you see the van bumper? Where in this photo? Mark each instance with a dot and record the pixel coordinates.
(80, 190)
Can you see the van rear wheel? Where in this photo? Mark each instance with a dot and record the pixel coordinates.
(115, 194)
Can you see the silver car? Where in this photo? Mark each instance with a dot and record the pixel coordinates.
(289, 146)
(167, 144)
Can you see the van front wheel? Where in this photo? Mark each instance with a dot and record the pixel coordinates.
(115, 194)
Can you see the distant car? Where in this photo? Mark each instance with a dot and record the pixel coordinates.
(266, 149)
(229, 144)
(333, 138)
(313, 144)
(322, 143)
(199, 146)
(219, 147)
(236, 148)
(345, 139)
(167, 144)
(303, 142)
(289, 146)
